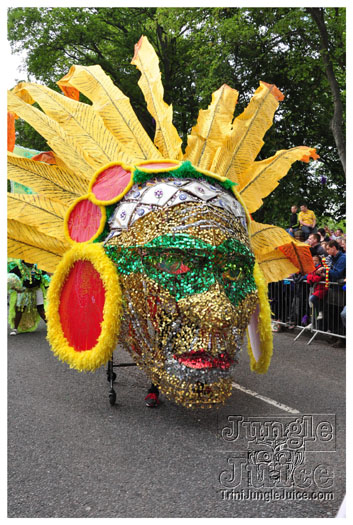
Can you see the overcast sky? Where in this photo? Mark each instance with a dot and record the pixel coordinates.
(13, 62)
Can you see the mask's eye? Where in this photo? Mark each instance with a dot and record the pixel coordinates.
(167, 262)
(233, 273)
(172, 265)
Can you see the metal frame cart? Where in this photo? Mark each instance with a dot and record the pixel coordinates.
(111, 376)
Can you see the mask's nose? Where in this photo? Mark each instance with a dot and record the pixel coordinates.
(209, 309)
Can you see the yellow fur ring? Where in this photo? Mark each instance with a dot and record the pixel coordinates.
(84, 308)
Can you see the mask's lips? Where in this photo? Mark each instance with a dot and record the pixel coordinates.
(201, 359)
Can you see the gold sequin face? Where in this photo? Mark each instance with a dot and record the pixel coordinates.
(187, 278)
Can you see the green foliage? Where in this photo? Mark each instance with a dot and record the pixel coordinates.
(28, 137)
(199, 50)
(332, 224)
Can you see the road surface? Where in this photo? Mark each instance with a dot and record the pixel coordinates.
(276, 449)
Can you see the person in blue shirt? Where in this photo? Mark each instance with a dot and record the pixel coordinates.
(337, 273)
(338, 262)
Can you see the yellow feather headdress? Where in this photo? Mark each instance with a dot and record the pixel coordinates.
(83, 138)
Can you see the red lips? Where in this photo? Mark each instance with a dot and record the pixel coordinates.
(201, 359)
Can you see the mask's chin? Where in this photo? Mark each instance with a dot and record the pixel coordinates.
(193, 376)
(197, 379)
(198, 365)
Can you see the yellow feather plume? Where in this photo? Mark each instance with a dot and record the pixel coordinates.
(166, 139)
(244, 142)
(262, 177)
(114, 108)
(266, 237)
(87, 131)
(33, 237)
(58, 140)
(275, 266)
(35, 210)
(19, 250)
(213, 124)
(54, 182)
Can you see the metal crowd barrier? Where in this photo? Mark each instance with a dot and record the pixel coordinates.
(289, 300)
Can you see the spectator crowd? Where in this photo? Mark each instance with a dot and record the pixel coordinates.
(316, 300)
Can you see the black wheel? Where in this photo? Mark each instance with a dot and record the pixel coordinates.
(112, 397)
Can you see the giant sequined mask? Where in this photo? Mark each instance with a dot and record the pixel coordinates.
(183, 254)
(153, 248)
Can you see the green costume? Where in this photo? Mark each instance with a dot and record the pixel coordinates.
(23, 282)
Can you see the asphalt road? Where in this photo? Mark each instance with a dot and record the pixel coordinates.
(72, 455)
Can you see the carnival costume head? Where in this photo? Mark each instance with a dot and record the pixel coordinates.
(152, 248)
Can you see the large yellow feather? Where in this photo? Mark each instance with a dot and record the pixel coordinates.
(46, 261)
(263, 176)
(265, 238)
(212, 126)
(244, 142)
(35, 210)
(53, 182)
(114, 107)
(85, 127)
(275, 266)
(33, 237)
(299, 254)
(166, 139)
(58, 140)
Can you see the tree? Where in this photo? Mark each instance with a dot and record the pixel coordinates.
(337, 119)
(199, 50)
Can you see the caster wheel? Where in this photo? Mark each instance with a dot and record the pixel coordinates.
(112, 397)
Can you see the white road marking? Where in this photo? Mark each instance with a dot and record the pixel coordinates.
(266, 399)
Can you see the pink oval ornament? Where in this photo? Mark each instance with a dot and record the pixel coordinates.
(84, 221)
(111, 184)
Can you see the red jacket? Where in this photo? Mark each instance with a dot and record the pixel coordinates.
(320, 289)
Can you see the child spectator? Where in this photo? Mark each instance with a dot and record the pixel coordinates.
(319, 288)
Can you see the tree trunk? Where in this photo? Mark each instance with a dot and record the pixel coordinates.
(317, 14)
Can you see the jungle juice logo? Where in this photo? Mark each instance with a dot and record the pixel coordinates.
(274, 456)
